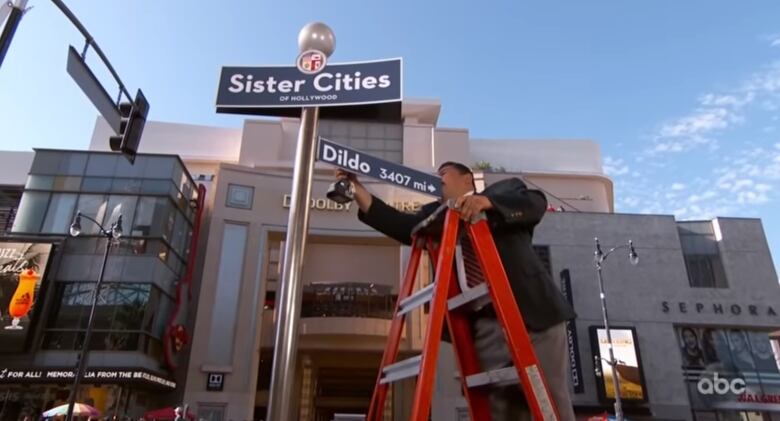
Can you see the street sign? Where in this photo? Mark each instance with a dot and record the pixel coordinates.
(362, 163)
(274, 87)
(78, 70)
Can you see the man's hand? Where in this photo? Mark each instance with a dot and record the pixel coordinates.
(362, 196)
(471, 206)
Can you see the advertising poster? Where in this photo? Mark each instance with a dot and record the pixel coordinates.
(22, 268)
(629, 368)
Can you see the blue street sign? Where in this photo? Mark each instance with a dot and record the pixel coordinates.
(274, 87)
(362, 163)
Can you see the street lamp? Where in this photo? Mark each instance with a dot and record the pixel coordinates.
(111, 234)
(598, 258)
(319, 37)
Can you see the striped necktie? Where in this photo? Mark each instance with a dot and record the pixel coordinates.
(474, 275)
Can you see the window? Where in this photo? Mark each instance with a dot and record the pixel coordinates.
(240, 197)
(58, 162)
(208, 412)
(382, 140)
(154, 217)
(742, 356)
(128, 316)
(228, 290)
(103, 165)
(702, 255)
(32, 210)
(60, 213)
(94, 206)
(121, 205)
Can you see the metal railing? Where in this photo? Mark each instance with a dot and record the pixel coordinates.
(348, 299)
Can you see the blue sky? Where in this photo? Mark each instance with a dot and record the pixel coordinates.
(684, 97)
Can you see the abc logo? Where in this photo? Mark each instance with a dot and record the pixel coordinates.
(720, 386)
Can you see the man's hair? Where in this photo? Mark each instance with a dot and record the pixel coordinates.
(462, 169)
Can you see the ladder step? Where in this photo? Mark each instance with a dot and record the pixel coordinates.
(500, 377)
(415, 300)
(404, 369)
(476, 297)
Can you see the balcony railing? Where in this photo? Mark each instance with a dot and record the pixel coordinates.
(348, 299)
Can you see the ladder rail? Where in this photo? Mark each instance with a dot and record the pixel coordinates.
(425, 381)
(466, 359)
(379, 396)
(508, 313)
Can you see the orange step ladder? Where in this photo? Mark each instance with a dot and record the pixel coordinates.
(452, 301)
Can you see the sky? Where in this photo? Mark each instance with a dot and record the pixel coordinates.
(682, 96)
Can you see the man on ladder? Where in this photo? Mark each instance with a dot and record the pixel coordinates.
(512, 211)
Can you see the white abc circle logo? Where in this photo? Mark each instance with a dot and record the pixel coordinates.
(720, 386)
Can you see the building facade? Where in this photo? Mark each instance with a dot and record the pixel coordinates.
(132, 365)
(679, 315)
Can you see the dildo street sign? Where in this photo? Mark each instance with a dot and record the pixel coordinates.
(361, 163)
(273, 87)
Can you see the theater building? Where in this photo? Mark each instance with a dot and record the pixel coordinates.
(698, 310)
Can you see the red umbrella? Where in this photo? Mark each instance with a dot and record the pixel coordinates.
(165, 414)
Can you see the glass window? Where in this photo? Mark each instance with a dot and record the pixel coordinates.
(208, 412)
(223, 319)
(46, 162)
(156, 186)
(40, 182)
(67, 183)
(125, 169)
(94, 206)
(102, 164)
(240, 197)
(96, 185)
(121, 205)
(58, 162)
(702, 255)
(154, 217)
(179, 233)
(72, 163)
(60, 213)
(126, 185)
(32, 210)
(380, 139)
(159, 167)
(81, 245)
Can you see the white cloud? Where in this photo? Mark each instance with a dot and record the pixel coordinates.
(631, 201)
(709, 194)
(717, 112)
(774, 40)
(763, 187)
(751, 198)
(678, 186)
(615, 167)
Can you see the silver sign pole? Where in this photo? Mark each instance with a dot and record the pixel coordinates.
(314, 36)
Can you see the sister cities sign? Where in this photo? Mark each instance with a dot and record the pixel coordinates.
(276, 87)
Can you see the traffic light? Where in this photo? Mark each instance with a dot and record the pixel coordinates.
(125, 111)
(131, 126)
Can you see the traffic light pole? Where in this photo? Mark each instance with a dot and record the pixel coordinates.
(14, 17)
(90, 41)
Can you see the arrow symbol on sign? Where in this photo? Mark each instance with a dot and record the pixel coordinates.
(431, 188)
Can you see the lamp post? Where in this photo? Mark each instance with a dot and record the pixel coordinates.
(111, 234)
(318, 37)
(599, 258)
